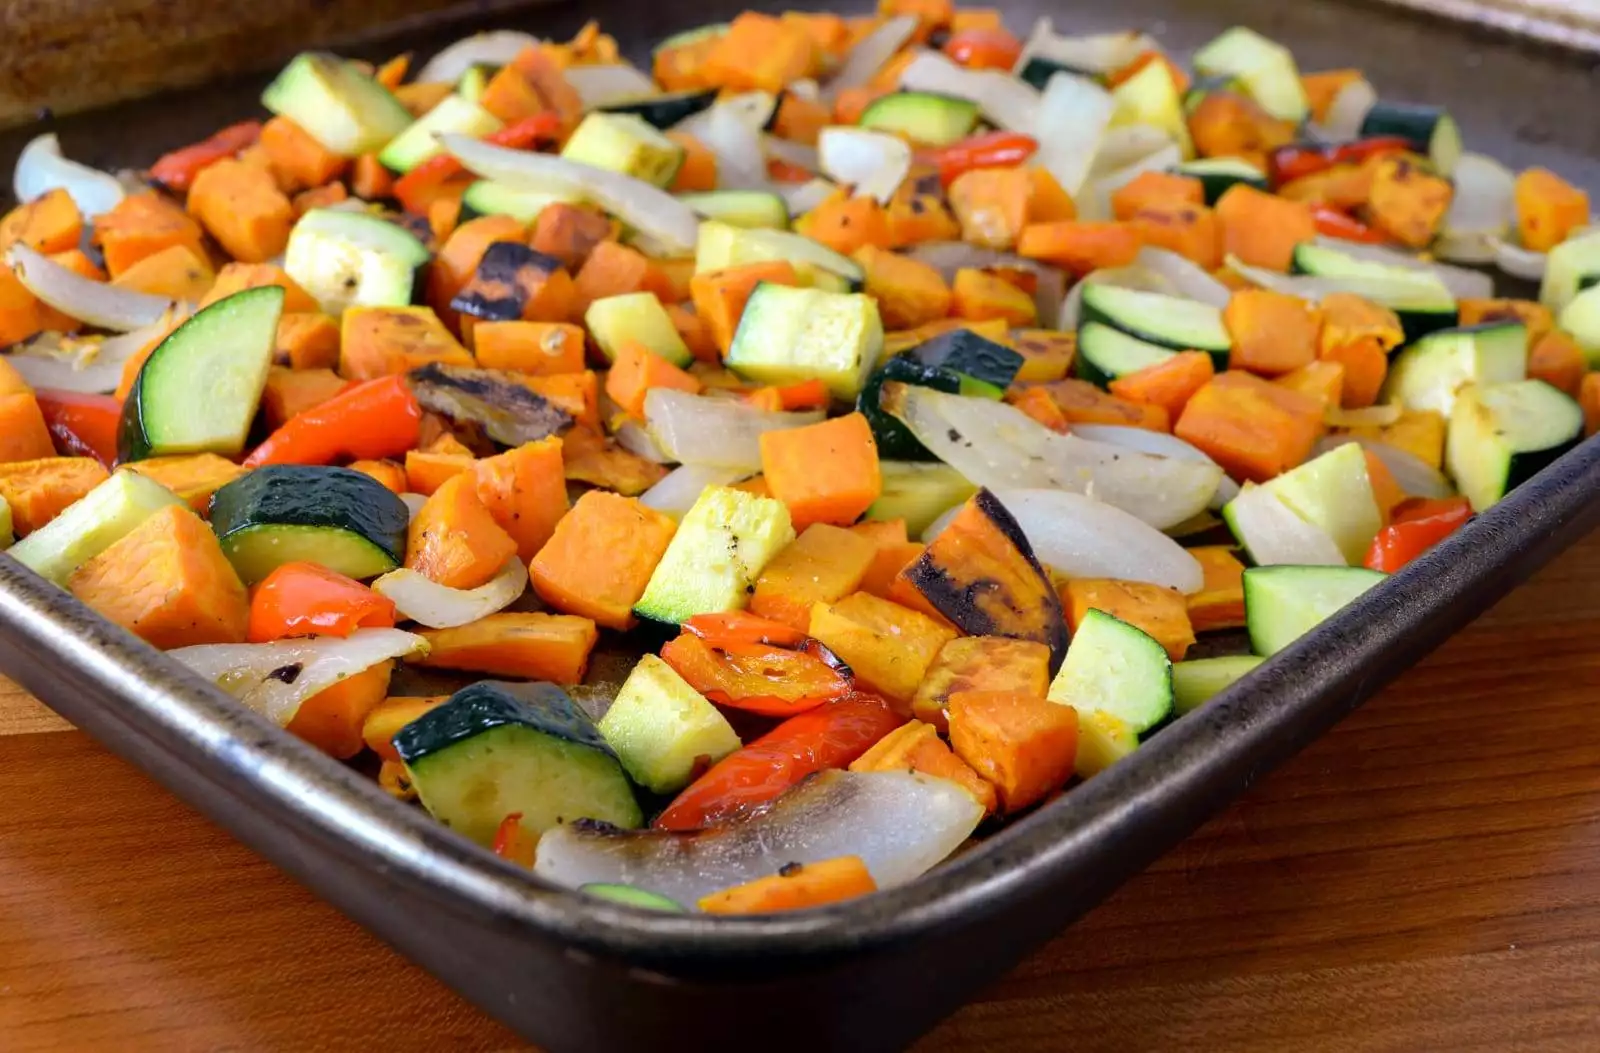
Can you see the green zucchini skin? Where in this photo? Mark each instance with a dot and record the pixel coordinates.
(490, 704)
(894, 439)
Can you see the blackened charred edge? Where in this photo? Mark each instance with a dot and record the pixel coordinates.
(1006, 523)
(951, 598)
(507, 277)
(438, 386)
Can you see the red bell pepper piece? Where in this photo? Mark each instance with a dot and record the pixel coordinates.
(783, 171)
(82, 425)
(1419, 524)
(370, 421)
(989, 150)
(513, 842)
(176, 171)
(415, 189)
(984, 49)
(830, 736)
(1289, 163)
(1338, 224)
(773, 681)
(308, 599)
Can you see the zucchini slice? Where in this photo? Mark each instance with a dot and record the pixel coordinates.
(1431, 131)
(199, 390)
(1284, 602)
(721, 245)
(788, 335)
(748, 209)
(1218, 174)
(487, 197)
(1581, 318)
(629, 896)
(664, 111)
(622, 142)
(1567, 269)
(496, 748)
(1334, 492)
(662, 729)
(88, 526)
(918, 492)
(614, 320)
(1104, 354)
(337, 104)
(342, 519)
(922, 117)
(1426, 374)
(971, 355)
(1264, 67)
(1196, 681)
(420, 141)
(1113, 667)
(711, 565)
(346, 259)
(1502, 434)
(1167, 321)
(895, 441)
(1422, 301)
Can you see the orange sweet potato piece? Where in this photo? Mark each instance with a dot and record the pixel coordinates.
(1261, 229)
(384, 721)
(1192, 231)
(389, 473)
(1323, 87)
(192, 476)
(370, 180)
(457, 259)
(1046, 354)
(552, 647)
(1019, 742)
(1407, 201)
(845, 224)
(980, 295)
(1169, 384)
(1273, 333)
(1048, 202)
(292, 391)
(237, 277)
(576, 393)
(1080, 247)
(981, 663)
(332, 719)
(454, 540)
(695, 332)
(1254, 429)
(324, 196)
(1323, 380)
(825, 472)
(1160, 613)
(23, 435)
(720, 296)
(175, 272)
(698, 172)
(307, 340)
(243, 209)
(992, 205)
(49, 224)
(636, 370)
(569, 233)
(142, 225)
(1226, 124)
(796, 887)
(600, 558)
(1548, 209)
(1080, 402)
(1220, 602)
(298, 161)
(538, 348)
(525, 490)
(1364, 367)
(1156, 188)
(760, 52)
(614, 270)
(917, 212)
(824, 564)
(909, 292)
(917, 747)
(887, 563)
(168, 582)
(38, 490)
(1037, 403)
(511, 96)
(1558, 361)
(428, 470)
(379, 341)
(889, 647)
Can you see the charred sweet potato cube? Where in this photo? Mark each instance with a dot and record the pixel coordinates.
(513, 282)
(980, 663)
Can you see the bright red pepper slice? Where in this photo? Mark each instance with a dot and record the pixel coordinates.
(414, 189)
(513, 842)
(373, 420)
(984, 49)
(308, 599)
(82, 425)
(787, 171)
(989, 150)
(1419, 524)
(1289, 163)
(735, 628)
(829, 736)
(1337, 224)
(176, 171)
(774, 681)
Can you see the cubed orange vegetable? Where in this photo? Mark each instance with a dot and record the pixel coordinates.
(298, 161)
(1407, 200)
(981, 663)
(552, 647)
(569, 233)
(380, 341)
(980, 295)
(845, 224)
(49, 224)
(38, 490)
(636, 370)
(824, 564)
(292, 391)
(1323, 380)
(600, 558)
(992, 205)
(1558, 361)
(909, 292)
(386, 719)
(1254, 429)
(1191, 231)
(1534, 316)
(1169, 384)
(1080, 402)
(1021, 743)
(1273, 333)
(1262, 229)
(243, 209)
(614, 270)
(457, 259)
(1548, 209)
(1156, 188)
(1589, 399)
(825, 472)
(454, 540)
(796, 887)
(23, 435)
(525, 490)
(192, 476)
(576, 393)
(142, 225)
(237, 277)
(760, 52)
(698, 172)
(332, 719)
(1080, 247)
(539, 348)
(1220, 602)
(917, 747)
(390, 473)
(887, 563)
(1159, 612)
(889, 647)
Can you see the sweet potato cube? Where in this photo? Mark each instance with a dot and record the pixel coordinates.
(1254, 429)
(237, 277)
(552, 647)
(50, 223)
(384, 721)
(600, 558)
(23, 435)
(824, 564)
(38, 490)
(307, 340)
(887, 564)
(888, 646)
(1160, 613)
(243, 209)
(332, 719)
(454, 540)
(536, 348)
(909, 292)
(980, 663)
(168, 582)
(142, 225)
(917, 747)
(378, 341)
(193, 476)
(797, 886)
(1273, 333)
(1262, 229)
(980, 295)
(525, 489)
(1220, 602)
(1024, 745)
(825, 472)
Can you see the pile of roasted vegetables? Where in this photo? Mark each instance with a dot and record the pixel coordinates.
(911, 395)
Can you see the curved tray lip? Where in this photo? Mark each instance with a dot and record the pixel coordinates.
(1130, 812)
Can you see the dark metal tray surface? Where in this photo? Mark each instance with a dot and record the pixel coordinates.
(578, 974)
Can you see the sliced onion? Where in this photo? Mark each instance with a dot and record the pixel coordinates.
(1097, 53)
(1380, 416)
(1186, 278)
(668, 222)
(948, 257)
(798, 154)
(414, 503)
(1160, 443)
(874, 163)
(1464, 248)
(635, 438)
(1127, 144)
(997, 445)
(1464, 284)
(872, 54)
(41, 169)
(1273, 534)
(1518, 261)
(900, 824)
(1348, 111)
(492, 49)
(677, 492)
(726, 131)
(1003, 100)
(604, 85)
(804, 88)
(803, 197)
(1416, 477)
(93, 367)
(1074, 114)
(695, 429)
(274, 678)
(1095, 203)
(95, 303)
(1483, 202)
(426, 602)
(1084, 538)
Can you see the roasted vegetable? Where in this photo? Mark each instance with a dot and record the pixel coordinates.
(507, 410)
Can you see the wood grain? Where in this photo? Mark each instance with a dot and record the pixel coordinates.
(1427, 877)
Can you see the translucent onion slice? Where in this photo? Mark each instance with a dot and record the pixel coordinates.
(1084, 538)
(424, 601)
(669, 223)
(492, 49)
(635, 438)
(414, 503)
(41, 168)
(871, 54)
(93, 367)
(677, 492)
(803, 197)
(274, 678)
(1096, 200)
(96, 303)
(1348, 111)
(1127, 144)
(998, 446)
(1274, 534)
(948, 257)
(874, 163)
(899, 823)
(1388, 291)
(721, 433)
(726, 131)
(1380, 416)
(1074, 113)
(1483, 202)
(798, 154)
(1160, 443)
(1186, 278)
(604, 85)
(1518, 261)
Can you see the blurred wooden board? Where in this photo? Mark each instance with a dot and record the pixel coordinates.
(1427, 876)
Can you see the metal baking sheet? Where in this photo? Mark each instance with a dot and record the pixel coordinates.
(579, 974)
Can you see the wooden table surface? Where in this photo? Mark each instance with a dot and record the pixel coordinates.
(1427, 877)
